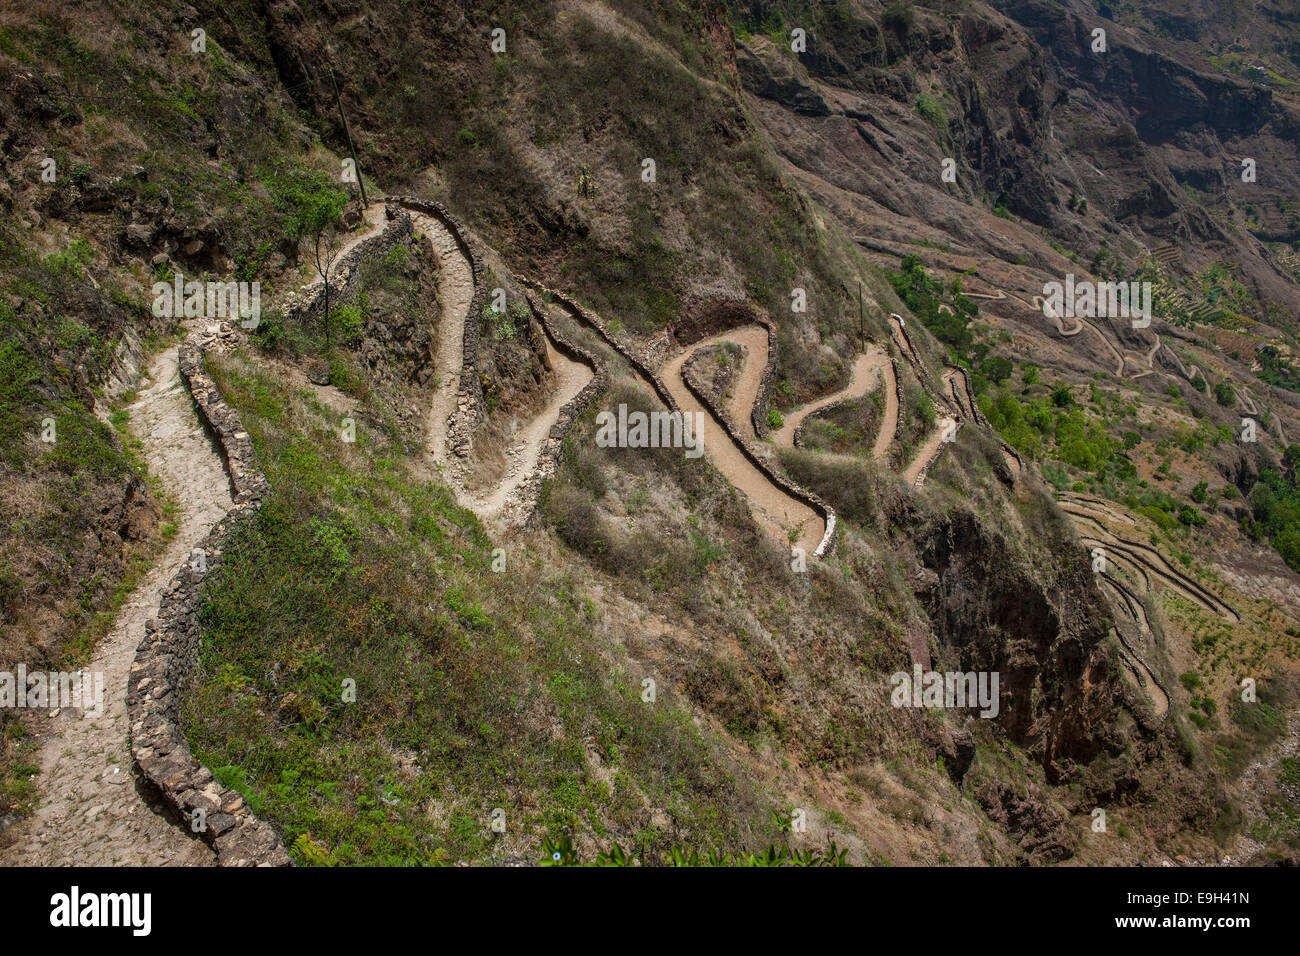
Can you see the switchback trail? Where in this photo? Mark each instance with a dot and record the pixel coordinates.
(456, 290)
(91, 808)
(945, 427)
(931, 448)
(779, 511)
(570, 378)
(869, 369)
(1148, 561)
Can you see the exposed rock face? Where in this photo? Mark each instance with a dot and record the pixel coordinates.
(1033, 119)
(1161, 96)
(776, 80)
(1041, 829)
(990, 613)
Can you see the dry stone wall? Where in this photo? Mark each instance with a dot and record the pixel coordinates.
(469, 401)
(703, 393)
(169, 652)
(548, 458)
(344, 272)
(594, 321)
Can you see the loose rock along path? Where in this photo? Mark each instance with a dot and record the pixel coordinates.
(91, 812)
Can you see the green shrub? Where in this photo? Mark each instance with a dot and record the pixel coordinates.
(932, 112)
(348, 322)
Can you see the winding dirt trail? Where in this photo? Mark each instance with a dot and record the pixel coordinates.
(1089, 516)
(1098, 506)
(959, 390)
(744, 390)
(93, 808)
(1151, 356)
(899, 328)
(775, 509)
(91, 812)
(456, 289)
(1142, 673)
(1151, 562)
(1143, 676)
(1177, 360)
(945, 427)
(1042, 306)
(932, 448)
(1129, 602)
(1082, 510)
(871, 369)
(569, 378)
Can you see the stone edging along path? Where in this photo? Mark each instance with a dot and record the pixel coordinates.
(169, 650)
(470, 411)
(548, 456)
(741, 441)
(639, 364)
(651, 377)
(888, 383)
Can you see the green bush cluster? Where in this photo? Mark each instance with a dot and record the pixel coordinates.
(1275, 509)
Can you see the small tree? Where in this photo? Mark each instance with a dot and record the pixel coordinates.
(1290, 459)
(317, 208)
(325, 250)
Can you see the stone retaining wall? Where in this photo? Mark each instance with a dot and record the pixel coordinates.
(980, 419)
(548, 458)
(797, 438)
(828, 539)
(920, 475)
(758, 461)
(593, 320)
(758, 415)
(695, 366)
(913, 356)
(344, 271)
(169, 651)
(470, 412)
(898, 397)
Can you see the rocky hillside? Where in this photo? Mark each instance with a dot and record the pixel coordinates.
(463, 626)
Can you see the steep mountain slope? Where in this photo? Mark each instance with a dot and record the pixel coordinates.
(668, 209)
